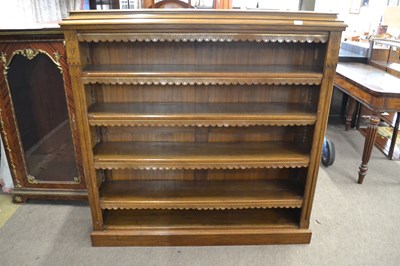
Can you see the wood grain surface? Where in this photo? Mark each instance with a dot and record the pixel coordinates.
(184, 155)
(222, 114)
(203, 195)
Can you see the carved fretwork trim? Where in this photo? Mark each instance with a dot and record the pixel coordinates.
(30, 54)
(200, 123)
(197, 165)
(196, 207)
(200, 81)
(203, 37)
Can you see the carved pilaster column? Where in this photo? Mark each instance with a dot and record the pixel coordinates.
(368, 145)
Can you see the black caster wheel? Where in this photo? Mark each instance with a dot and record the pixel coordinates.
(328, 153)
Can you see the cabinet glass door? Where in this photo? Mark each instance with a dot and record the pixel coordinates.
(38, 97)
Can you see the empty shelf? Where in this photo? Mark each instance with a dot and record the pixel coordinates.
(167, 219)
(202, 195)
(201, 74)
(188, 155)
(199, 114)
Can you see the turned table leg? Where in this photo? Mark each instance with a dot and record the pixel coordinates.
(368, 145)
(394, 136)
(350, 111)
(359, 112)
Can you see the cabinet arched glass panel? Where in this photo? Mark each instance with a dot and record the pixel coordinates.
(36, 86)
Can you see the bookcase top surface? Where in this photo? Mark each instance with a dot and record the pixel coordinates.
(202, 19)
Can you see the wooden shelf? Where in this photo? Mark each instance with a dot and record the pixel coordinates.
(201, 74)
(187, 155)
(199, 114)
(173, 219)
(201, 195)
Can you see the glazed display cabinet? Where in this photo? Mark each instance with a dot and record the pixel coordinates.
(201, 127)
(38, 116)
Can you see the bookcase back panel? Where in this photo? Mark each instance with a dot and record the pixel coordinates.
(298, 174)
(184, 134)
(211, 53)
(202, 94)
(205, 134)
(208, 219)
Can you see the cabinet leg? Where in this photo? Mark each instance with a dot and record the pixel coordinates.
(394, 137)
(350, 111)
(368, 145)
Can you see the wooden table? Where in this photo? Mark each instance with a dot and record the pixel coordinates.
(375, 89)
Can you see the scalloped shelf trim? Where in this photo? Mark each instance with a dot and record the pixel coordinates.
(197, 166)
(200, 81)
(203, 37)
(294, 206)
(174, 123)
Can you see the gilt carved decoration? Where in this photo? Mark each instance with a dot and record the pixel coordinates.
(30, 54)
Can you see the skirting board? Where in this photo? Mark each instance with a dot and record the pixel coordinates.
(200, 237)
